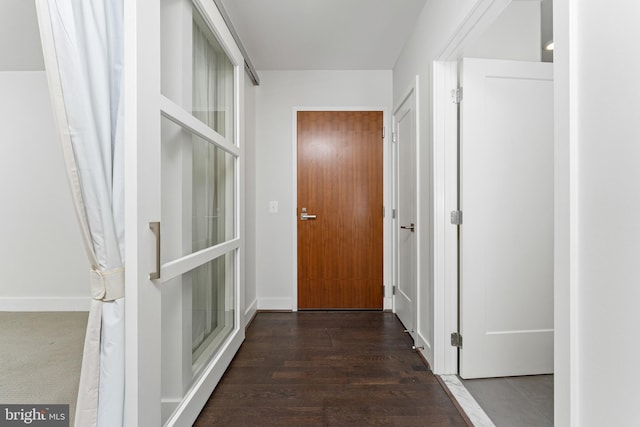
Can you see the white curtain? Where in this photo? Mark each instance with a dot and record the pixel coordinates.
(83, 48)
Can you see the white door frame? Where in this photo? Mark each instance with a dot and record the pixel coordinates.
(412, 90)
(565, 195)
(387, 200)
(445, 181)
(565, 198)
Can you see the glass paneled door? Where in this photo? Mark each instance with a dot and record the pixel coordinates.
(183, 262)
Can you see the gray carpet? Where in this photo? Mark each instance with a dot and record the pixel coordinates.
(40, 357)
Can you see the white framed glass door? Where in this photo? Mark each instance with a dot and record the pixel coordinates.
(183, 74)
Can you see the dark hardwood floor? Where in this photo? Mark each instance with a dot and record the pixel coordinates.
(328, 369)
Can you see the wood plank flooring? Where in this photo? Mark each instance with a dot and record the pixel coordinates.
(328, 369)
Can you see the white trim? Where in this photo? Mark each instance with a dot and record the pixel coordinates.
(276, 304)
(566, 217)
(412, 90)
(250, 312)
(189, 262)
(446, 180)
(183, 118)
(45, 304)
(387, 279)
(200, 392)
(218, 27)
(574, 219)
(428, 347)
(445, 185)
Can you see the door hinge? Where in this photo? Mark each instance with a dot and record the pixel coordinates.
(456, 340)
(394, 137)
(456, 217)
(393, 290)
(384, 212)
(384, 131)
(456, 95)
(393, 213)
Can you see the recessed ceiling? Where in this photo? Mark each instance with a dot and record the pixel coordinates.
(323, 34)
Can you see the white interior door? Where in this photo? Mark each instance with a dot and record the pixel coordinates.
(506, 238)
(404, 120)
(183, 79)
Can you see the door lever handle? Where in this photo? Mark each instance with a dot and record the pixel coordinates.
(411, 227)
(155, 228)
(304, 216)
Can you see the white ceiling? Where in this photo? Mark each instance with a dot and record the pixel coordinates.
(323, 34)
(277, 34)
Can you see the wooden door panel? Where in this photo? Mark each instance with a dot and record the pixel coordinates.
(340, 253)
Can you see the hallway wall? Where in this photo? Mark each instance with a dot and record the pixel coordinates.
(514, 35)
(598, 198)
(43, 264)
(279, 92)
(436, 25)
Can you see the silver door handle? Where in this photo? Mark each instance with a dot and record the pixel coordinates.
(304, 216)
(411, 227)
(155, 228)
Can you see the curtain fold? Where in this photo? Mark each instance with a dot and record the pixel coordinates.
(83, 49)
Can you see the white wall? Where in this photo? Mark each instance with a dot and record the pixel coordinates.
(599, 104)
(250, 297)
(279, 92)
(43, 265)
(20, 48)
(436, 25)
(515, 34)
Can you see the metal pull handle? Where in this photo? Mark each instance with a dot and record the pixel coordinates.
(411, 227)
(155, 228)
(304, 216)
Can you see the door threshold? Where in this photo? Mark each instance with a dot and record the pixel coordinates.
(469, 407)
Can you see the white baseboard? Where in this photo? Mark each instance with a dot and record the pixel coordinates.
(275, 304)
(45, 304)
(250, 312)
(427, 353)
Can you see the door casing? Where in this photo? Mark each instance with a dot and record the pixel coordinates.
(445, 182)
(410, 96)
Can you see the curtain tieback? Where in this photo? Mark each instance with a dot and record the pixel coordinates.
(107, 285)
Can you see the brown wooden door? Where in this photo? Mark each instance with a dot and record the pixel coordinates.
(340, 181)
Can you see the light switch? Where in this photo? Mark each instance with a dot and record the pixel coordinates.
(273, 207)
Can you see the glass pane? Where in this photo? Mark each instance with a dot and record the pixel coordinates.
(198, 315)
(197, 73)
(212, 307)
(198, 193)
(212, 80)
